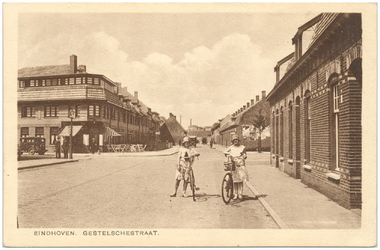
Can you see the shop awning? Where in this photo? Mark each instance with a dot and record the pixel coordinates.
(110, 132)
(66, 130)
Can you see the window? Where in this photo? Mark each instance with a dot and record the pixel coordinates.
(335, 127)
(48, 82)
(78, 80)
(96, 81)
(54, 82)
(24, 132)
(66, 81)
(282, 132)
(307, 127)
(32, 83)
(43, 82)
(28, 111)
(21, 84)
(39, 132)
(53, 134)
(71, 80)
(290, 130)
(89, 80)
(93, 110)
(51, 111)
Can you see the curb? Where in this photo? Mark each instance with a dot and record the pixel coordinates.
(46, 164)
(88, 158)
(269, 209)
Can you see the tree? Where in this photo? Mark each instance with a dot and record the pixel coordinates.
(260, 122)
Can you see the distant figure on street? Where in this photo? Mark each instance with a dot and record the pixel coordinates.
(211, 142)
(94, 146)
(57, 148)
(65, 148)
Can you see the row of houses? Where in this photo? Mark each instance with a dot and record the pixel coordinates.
(316, 109)
(311, 121)
(101, 108)
(250, 123)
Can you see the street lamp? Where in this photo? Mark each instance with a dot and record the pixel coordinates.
(71, 115)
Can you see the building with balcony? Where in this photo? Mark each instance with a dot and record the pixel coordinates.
(316, 108)
(102, 108)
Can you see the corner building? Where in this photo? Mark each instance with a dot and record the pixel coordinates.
(104, 110)
(316, 109)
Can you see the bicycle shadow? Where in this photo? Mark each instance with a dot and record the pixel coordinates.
(205, 197)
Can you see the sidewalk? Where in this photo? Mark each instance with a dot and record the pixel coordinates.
(291, 203)
(76, 157)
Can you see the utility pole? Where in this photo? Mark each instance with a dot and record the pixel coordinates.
(72, 115)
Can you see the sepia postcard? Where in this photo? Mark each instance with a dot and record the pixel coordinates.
(190, 124)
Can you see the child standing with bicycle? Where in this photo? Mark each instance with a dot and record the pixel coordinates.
(240, 173)
(185, 160)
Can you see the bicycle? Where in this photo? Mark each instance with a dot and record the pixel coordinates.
(228, 182)
(191, 175)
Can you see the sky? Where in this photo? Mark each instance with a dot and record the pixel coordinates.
(198, 66)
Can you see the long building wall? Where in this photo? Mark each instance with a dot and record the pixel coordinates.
(304, 133)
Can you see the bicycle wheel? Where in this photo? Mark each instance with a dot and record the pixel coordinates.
(192, 184)
(227, 188)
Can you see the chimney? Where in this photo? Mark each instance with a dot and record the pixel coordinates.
(247, 104)
(137, 94)
(252, 102)
(118, 84)
(73, 63)
(244, 107)
(263, 94)
(170, 114)
(257, 98)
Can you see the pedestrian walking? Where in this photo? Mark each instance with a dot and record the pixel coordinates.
(57, 148)
(185, 155)
(94, 146)
(238, 152)
(211, 142)
(65, 148)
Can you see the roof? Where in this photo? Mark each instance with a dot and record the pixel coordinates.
(175, 129)
(325, 21)
(45, 71)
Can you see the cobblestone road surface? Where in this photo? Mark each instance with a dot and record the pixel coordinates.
(124, 192)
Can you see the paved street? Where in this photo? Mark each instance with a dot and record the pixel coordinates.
(132, 192)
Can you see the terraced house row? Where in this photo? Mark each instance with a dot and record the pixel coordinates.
(104, 110)
(316, 109)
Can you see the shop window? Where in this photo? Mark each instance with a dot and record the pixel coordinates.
(53, 134)
(24, 132)
(39, 132)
